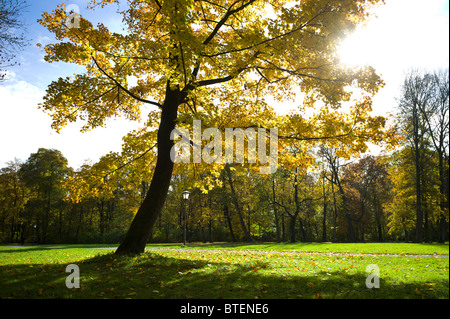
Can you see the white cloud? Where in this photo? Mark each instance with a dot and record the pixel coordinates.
(43, 40)
(25, 128)
(19, 119)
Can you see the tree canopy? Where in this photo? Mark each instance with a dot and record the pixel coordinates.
(228, 63)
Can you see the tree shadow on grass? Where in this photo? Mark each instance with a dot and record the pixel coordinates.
(154, 276)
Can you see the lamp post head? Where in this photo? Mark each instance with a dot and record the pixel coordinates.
(186, 194)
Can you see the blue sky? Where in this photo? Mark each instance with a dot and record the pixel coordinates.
(405, 34)
(33, 69)
(23, 126)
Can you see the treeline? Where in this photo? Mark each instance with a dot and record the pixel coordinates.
(421, 179)
(401, 195)
(35, 205)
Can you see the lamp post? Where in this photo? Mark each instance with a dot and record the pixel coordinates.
(185, 195)
(34, 233)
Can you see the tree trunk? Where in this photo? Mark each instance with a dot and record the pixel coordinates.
(247, 236)
(324, 220)
(60, 223)
(334, 212)
(297, 208)
(210, 232)
(379, 227)
(230, 226)
(292, 228)
(350, 230)
(302, 230)
(442, 203)
(142, 225)
(203, 233)
(277, 226)
(324, 223)
(419, 213)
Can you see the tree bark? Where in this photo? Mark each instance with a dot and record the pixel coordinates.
(419, 213)
(350, 230)
(230, 226)
(247, 235)
(325, 204)
(334, 212)
(277, 226)
(142, 225)
(292, 228)
(443, 203)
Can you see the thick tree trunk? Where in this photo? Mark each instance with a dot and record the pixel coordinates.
(142, 225)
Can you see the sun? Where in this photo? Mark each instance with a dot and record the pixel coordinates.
(357, 49)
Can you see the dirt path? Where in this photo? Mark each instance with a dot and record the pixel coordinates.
(238, 251)
(296, 252)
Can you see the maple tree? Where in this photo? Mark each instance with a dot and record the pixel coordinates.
(214, 61)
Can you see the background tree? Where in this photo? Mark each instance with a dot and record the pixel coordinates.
(401, 210)
(12, 33)
(416, 92)
(13, 198)
(436, 115)
(423, 110)
(335, 167)
(43, 173)
(367, 185)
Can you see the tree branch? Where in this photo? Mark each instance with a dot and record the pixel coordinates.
(158, 4)
(225, 18)
(126, 164)
(91, 101)
(266, 40)
(123, 88)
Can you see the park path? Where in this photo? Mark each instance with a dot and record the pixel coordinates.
(296, 252)
(244, 251)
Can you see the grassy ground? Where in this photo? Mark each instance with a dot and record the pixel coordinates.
(352, 248)
(39, 272)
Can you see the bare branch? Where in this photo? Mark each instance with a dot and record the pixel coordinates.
(123, 88)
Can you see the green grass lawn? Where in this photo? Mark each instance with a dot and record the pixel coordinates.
(359, 248)
(247, 272)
